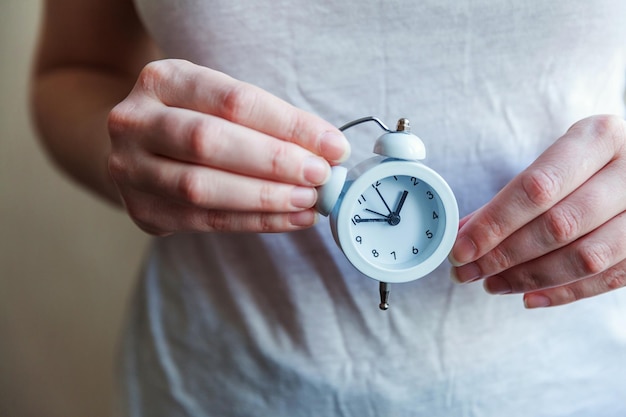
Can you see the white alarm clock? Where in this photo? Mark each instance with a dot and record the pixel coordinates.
(394, 218)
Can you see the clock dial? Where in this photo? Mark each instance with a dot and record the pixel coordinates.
(397, 222)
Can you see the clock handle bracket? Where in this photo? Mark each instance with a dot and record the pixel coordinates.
(399, 143)
(364, 120)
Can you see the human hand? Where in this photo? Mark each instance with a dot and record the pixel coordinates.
(195, 150)
(557, 231)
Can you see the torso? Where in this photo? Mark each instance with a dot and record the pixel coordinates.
(295, 330)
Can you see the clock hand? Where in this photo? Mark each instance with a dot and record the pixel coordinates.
(384, 202)
(371, 220)
(401, 203)
(375, 212)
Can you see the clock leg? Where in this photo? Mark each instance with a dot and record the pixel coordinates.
(383, 288)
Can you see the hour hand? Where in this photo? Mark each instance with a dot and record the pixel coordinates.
(401, 202)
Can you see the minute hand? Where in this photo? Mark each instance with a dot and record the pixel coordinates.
(384, 219)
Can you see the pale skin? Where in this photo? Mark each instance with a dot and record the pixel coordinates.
(556, 232)
(184, 148)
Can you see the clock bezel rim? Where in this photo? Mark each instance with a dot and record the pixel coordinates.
(385, 169)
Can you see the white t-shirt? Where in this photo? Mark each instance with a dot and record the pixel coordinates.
(281, 324)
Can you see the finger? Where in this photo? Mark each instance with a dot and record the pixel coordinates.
(465, 219)
(568, 163)
(588, 256)
(204, 90)
(207, 140)
(159, 217)
(609, 280)
(209, 188)
(590, 206)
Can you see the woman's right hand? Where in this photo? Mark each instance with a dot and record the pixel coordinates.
(194, 150)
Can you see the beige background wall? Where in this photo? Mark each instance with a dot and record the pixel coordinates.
(67, 261)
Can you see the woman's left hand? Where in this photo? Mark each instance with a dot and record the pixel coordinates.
(557, 231)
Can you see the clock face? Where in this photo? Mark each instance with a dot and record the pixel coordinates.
(397, 222)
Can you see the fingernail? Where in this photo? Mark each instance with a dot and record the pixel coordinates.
(466, 273)
(536, 301)
(316, 170)
(463, 251)
(334, 147)
(303, 197)
(497, 285)
(303, 218)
